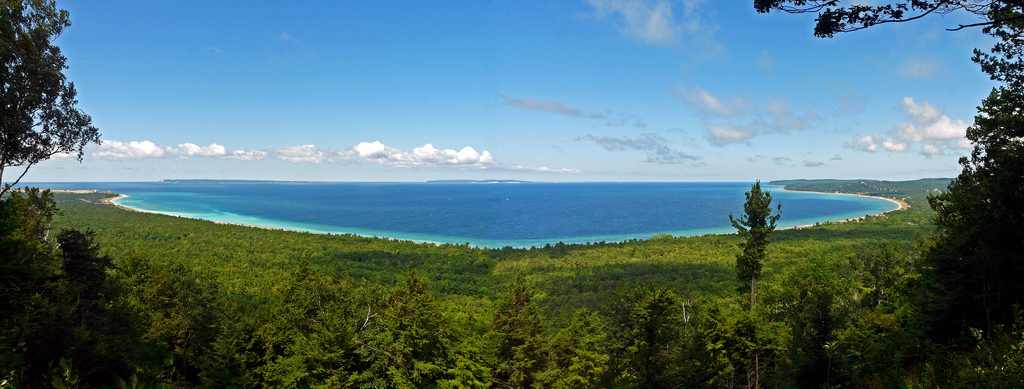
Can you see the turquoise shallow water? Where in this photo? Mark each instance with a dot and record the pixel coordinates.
(480, 214)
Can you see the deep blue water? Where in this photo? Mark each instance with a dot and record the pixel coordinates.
(493, 215)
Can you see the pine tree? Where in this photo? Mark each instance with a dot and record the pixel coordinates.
(519, 334)
(578, 354)
(756, 224)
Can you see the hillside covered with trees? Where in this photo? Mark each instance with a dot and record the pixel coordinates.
(98, 296)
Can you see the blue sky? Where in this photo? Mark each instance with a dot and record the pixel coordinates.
(568, 90)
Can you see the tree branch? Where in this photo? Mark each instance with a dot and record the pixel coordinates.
(3, 166)
(988, 23)
(7, 188)
(937, 6)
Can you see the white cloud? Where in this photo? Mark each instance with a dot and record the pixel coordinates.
(891, 145)
(864, 143)
(302, 153)
(247, 155)
(648, 21)
(871, 143)
(112, 149)
(928, 123)
(721, 135)
(194, 150)
(919, 68)
(545, 169)
(376, 151)
(424, 155)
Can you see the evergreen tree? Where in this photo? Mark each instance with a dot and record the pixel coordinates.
(406, 345)
(519, 337)
(754, 227)
(578, 354)
(27, 261)
(310, 336)
(974, 267)
(977, 261)
(64, 319)
(650, 327)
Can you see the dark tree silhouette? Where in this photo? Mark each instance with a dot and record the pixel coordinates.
(39, 117)
(835, 16)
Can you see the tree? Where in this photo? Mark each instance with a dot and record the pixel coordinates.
(650, 328)
(39, 117)
(837, 16)
(578, 354)
(63, 317)
(27, 260)
(306, 340)
(751, 347)
(93, 329)
(519, 334)
(754, 227)
(974, 266)
(976, 262)
(406, 344)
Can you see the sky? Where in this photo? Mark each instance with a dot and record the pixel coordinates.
(571, 90)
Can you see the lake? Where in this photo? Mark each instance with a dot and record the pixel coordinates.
(481, 214)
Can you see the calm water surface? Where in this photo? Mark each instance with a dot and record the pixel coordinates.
(481, 214)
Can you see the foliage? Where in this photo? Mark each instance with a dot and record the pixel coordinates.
(754, 226)
(221, 305)
(66, 321)
(966, 291)
(975, 261)
(39, 117)
(837, 16)
(578, 354)
(519, 341)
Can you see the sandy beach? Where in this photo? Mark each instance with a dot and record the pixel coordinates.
(900, 205)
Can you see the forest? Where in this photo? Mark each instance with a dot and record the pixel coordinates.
(928, 296)
(182, 302)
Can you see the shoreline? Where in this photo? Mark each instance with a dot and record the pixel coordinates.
(900, 205)
(115, 198)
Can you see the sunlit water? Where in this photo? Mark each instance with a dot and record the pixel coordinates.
(481, 214)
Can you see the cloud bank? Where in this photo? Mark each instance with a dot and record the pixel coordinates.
(426, 155)
(934, 131)
(113, 149)
(375, 151)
